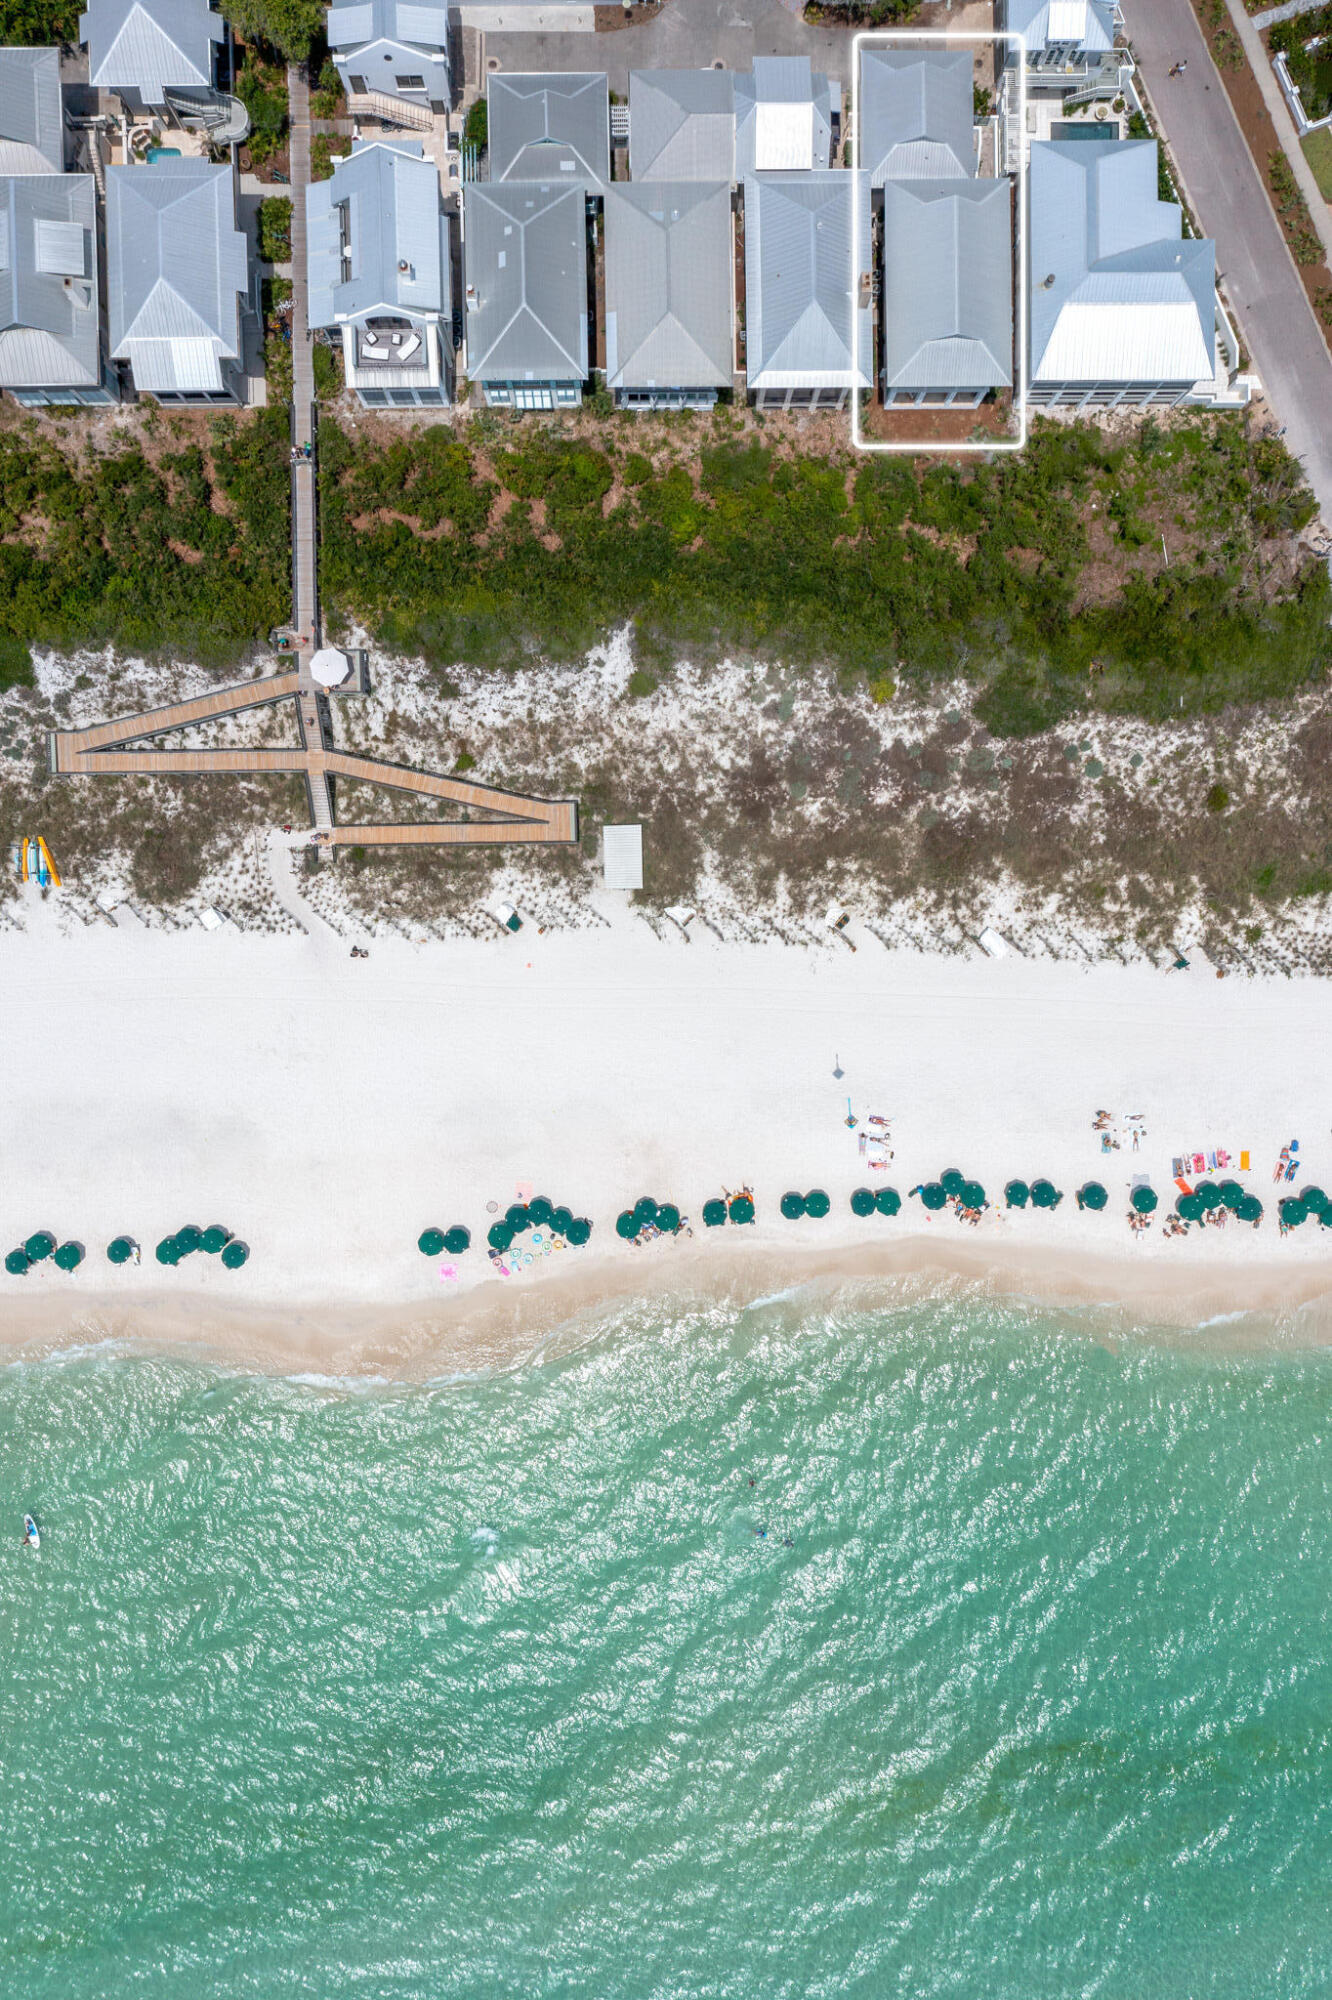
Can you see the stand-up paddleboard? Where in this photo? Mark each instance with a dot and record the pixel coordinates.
(52, 873)
(30, 1534)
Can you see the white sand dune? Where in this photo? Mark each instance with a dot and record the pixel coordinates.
(328, 1109)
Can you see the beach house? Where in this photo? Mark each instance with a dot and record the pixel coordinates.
(1069, 44)
(549, 127)
(177, 280)
(670, 293)
(916, 115)
(947, 296)
(525, 263)
(945, 233)
(393, 58)
(32, 120)
(808, 321)
(378, 264)
(681, 125)
(1122, 306)
(147, 50)
(51, 348)
(785, 116)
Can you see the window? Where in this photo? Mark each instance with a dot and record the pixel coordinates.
(410, 82)
(358, 85)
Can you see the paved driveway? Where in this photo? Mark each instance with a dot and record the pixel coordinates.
(687, 34)
(1223, 187)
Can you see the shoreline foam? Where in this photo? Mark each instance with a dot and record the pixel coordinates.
(1261, 1307)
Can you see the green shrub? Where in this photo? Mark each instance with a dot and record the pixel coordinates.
(288, 27)
(475, 126)
(1218, 798)
(275, 229)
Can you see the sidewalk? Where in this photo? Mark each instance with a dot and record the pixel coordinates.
(1279, 112)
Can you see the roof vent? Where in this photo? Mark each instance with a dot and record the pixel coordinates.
(404, 268)
(1047, 281)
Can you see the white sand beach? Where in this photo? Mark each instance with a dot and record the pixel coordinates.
(327, 1109)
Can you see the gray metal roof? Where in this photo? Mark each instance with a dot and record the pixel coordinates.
(32, 124)
(176, 270)
(916, 117)
(549, 127)
(525, 252)
(783, 117)
(383, 207)
(1116, 294)
(947, 284)
(681, 125)
(800, 293)
(405, 21)
(1083, 24)
(150, 45)
(670, 285)
(49, 335)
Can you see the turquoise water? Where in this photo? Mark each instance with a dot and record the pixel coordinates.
(492, 1687)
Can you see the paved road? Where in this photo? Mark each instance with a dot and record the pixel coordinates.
(1223, 187)
(687, 34)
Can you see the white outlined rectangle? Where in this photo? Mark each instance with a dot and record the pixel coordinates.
(889, 38)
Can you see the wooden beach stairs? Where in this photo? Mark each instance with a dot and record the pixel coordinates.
(122, 749)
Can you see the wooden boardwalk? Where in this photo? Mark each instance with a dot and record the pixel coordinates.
(110, 749)
(115, 749)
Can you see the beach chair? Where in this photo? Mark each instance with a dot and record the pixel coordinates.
(1244, 1163)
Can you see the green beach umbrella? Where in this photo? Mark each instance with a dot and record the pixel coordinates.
(862, 1202)
(1045, 1194)
(1292, 1211)
(457, 1239)
(500, 1236)
(189, 1239)
(1092, 1195)
(1190, 1208)
(932, 1195)
(560, 1221)
(169, 1251)
(235, 1254)
(627, 1224)
(952, 1180)
(16, 1263)
(1208, 1194)
(69, 1256)
(668, 1218)
(1250, 1209)
(1315, 1201)
(541, 1211)
(1231, 1193)
(714, 1214)
(120, 1249)
(578, 1231)
(817, 1204)
(972, 1195)
(39, 1246)
(430, 1242)
(792, 1206)
(888, 1201)
(645, 1210)
(742, 1209)
(1017, 1194)
(1143, 1200)
(517, 1217)
(217, 1236)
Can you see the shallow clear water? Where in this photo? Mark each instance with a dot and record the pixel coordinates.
(492, 1688)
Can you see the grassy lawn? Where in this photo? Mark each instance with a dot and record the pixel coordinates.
(1318, 152)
